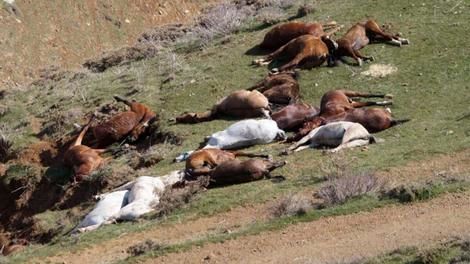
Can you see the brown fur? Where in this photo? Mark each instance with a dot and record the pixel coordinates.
(282, 34)
(84, 160)
(132, 123)
(236, 171)
(7, 247)
(280, 88)
(202, 162)
(306, 51)
(359, 36)
(334, 104)
(239, 104)
(291, 117)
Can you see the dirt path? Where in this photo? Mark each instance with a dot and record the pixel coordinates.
(343, 238)
(114, 249)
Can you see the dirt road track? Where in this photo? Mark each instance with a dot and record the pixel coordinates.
(343, 238)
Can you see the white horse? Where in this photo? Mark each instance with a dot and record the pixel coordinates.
(105, 211)
(339, 135)
(129, 201)
(246, 133)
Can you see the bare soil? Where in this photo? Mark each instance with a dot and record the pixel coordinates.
(425, 221)
(344, 238)
(64, 33)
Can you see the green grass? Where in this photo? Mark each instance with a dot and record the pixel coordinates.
(432, 87)
(453, 251)
(354, 205)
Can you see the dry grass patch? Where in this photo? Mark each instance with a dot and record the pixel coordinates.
(380, 70)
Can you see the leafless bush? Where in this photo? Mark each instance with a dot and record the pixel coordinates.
(218, 21)
(271, 15)
(177, 196)
(339, 190)
(121, 56)
(337, 166)
(290, 205)
(164, 35)
(142, 247)
(305, 9)
(171, 63)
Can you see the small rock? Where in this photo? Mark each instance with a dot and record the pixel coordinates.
(127, 21)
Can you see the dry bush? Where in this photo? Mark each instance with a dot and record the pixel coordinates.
(121, 56)
(291, 205)
(143, 247)
(339, 190)
(337, 166)
(219, 21)
(305, 9)
(177, 196)
(271, 15)
(164, 35)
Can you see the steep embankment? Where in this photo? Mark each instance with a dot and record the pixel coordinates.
(64, 33)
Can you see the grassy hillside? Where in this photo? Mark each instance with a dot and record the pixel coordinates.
(431, 86)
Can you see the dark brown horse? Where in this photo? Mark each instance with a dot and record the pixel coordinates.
(279, 88)
(280, 35)
(291, 117)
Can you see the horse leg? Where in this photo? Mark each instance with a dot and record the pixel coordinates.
(351, 144)
(249, 155)
(349, 93)
(293, 63)
(270, 57)
(365, 58)
(362, 104)
(373, 30)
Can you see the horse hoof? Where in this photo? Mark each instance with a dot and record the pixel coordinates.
(388, 96)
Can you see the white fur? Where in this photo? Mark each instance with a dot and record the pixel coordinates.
(339, 135)
(129, 201)
(245, 133)
(105, 210)
(145, 194)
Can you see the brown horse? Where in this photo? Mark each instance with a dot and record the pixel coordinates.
(130, 123)
(306, 51)
(358, 36)
(335, 103)
(280, 35)
(84, 160)
(279, 88)
(291, 117)
(202, 162)
(236, 171)
(373, 119)
(239, 104)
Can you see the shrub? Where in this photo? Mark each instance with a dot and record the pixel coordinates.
(271, 15)
(218, 21)
(177, 196)
(304, 10)
(143, 247)
(339, 190)
(292, 205)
